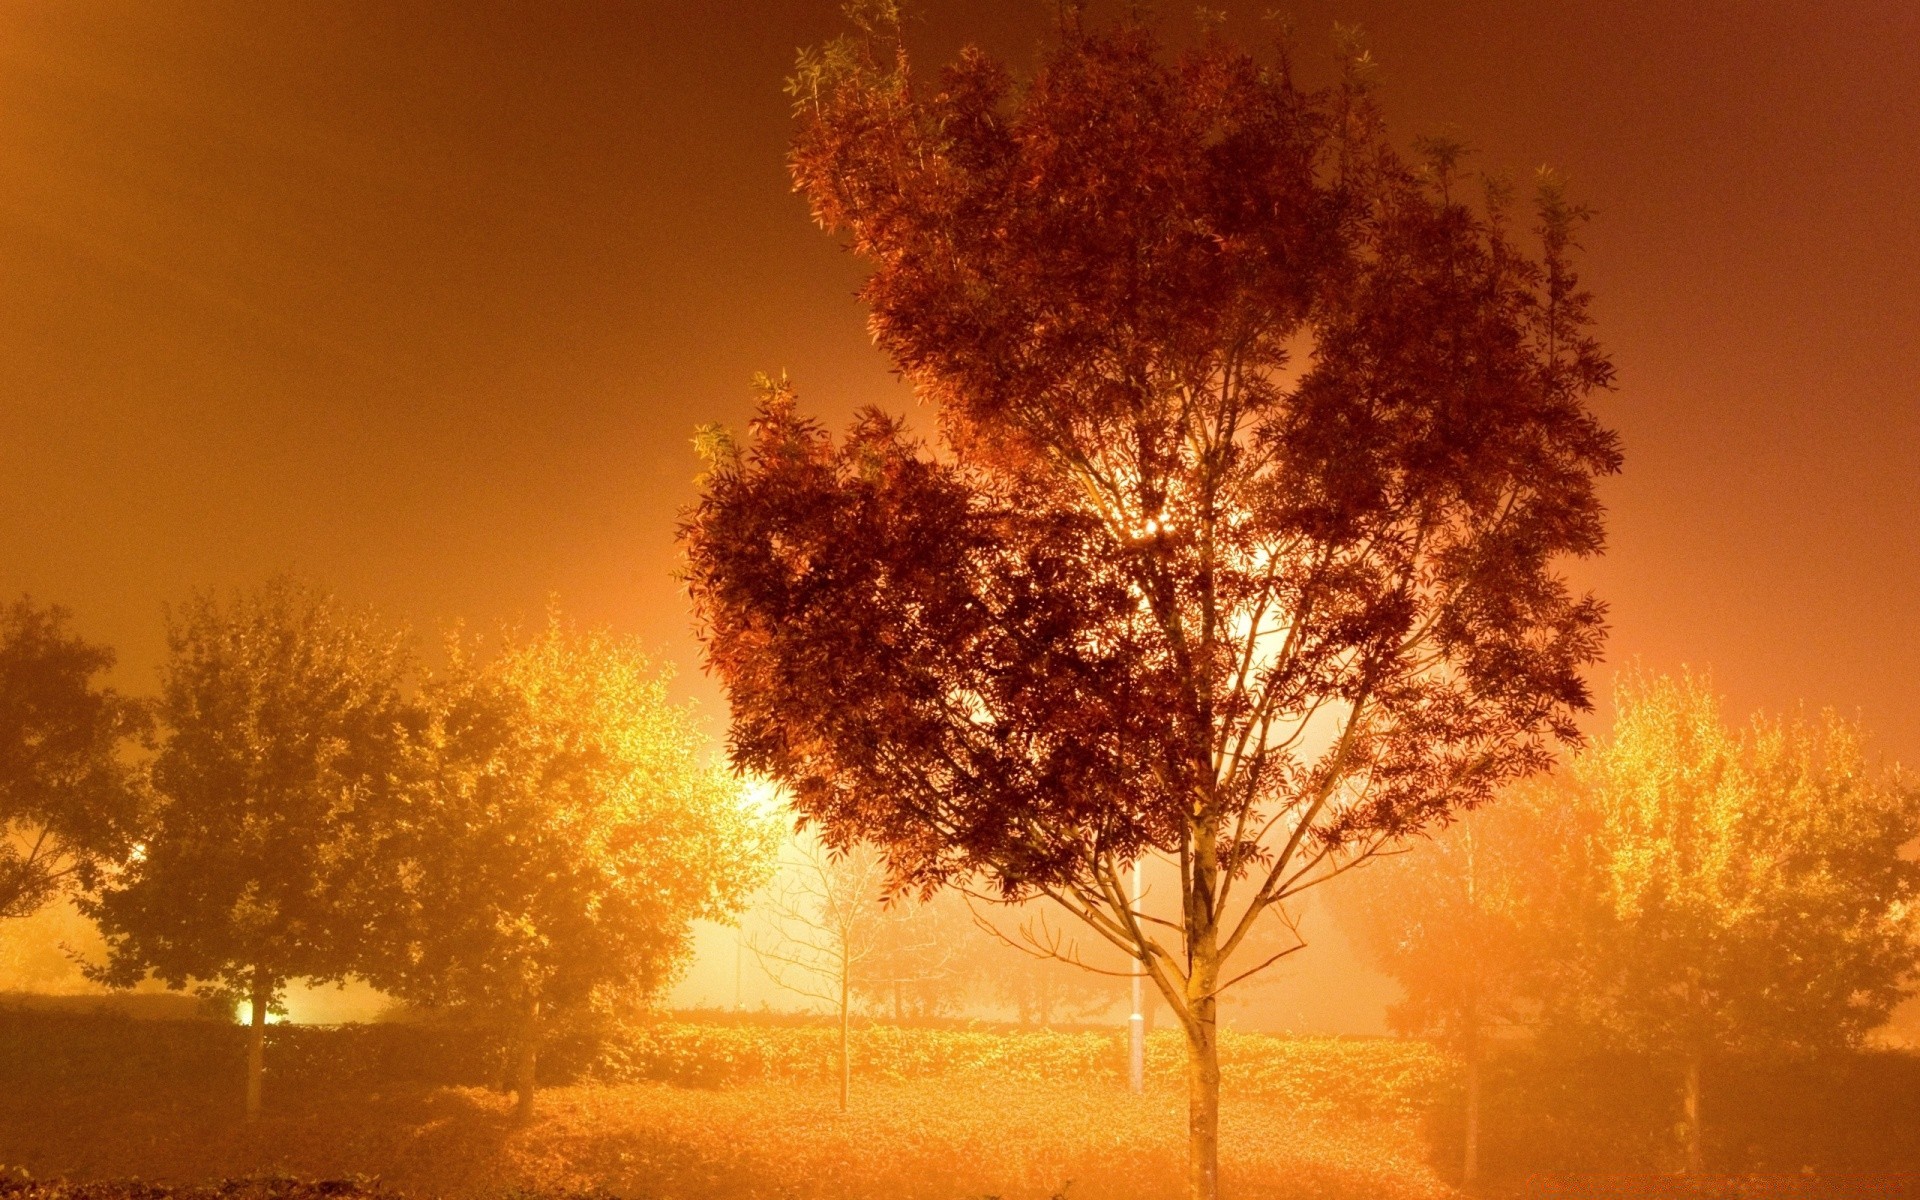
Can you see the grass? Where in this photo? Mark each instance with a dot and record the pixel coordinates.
(929, 1139)
(900, 1140)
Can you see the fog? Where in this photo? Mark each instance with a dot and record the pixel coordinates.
(1034, 600)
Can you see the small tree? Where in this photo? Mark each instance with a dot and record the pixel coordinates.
(283, 727)
(1455, 920)
(824, 923)
(1259, 448)
(67, 797)
(1738, 891)
(569, 831)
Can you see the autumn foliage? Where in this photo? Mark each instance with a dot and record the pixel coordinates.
(1707, 898)
(1258, 445)
(566, 831)
(525, 836)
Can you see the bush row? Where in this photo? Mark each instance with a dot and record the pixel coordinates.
(1336, 1075)
(1858, 1112)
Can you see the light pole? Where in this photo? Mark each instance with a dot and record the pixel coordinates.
(1137, 1023)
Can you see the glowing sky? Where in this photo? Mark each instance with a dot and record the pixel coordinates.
(426, 303)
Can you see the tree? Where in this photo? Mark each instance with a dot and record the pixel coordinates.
(1737, 890)
(283, 727)
(1257, 452)
(1042, 989)
(1455, 920)
(68, 801)
(569, 831)
(824, 924)
(919, 965)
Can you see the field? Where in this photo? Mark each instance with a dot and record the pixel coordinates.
(712, 1111)
(906, 1140)
(753, 1114)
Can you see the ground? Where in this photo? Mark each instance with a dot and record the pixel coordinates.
(915, 1140)
(737, 1109)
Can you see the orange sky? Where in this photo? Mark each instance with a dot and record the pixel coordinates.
(427, 305)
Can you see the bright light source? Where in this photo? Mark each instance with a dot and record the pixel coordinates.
(762, 797)
(243, 1012)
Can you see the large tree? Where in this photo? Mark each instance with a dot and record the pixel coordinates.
(1732, 890)
(567, 830)
(283, 733)
(68, 799)
(1257, 449)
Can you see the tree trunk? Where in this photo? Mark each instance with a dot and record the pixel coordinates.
(527, 1069)
(846, 1059)
(1202, 1015)
(257, 1048)
(1695, 1159)
(1470, 1166)
(1203, 1102)
(1202, 1021)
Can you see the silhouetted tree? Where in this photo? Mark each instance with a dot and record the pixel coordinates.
(282, 730)
(1258, 447)
(67, 795)
(569, 831)
(1735, 891)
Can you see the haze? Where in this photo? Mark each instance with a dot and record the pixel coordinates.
(426, 302)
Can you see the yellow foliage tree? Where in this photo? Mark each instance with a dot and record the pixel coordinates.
(568, 830)
(1737, 890)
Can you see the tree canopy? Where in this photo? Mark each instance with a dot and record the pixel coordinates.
(568, 831)
(1744, 887)
(283, 730)
(1258, 445)
(1454, 917)
(1687, 889)
(1734, 889)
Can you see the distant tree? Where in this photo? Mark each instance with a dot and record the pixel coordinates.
(1739, 891)
(569, 831)
(921, 965)
(282, 729)
(46, 952)
(1033, 960)
(1455, 920)
(1259, 447)
(1042, 989)
(68, 799)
